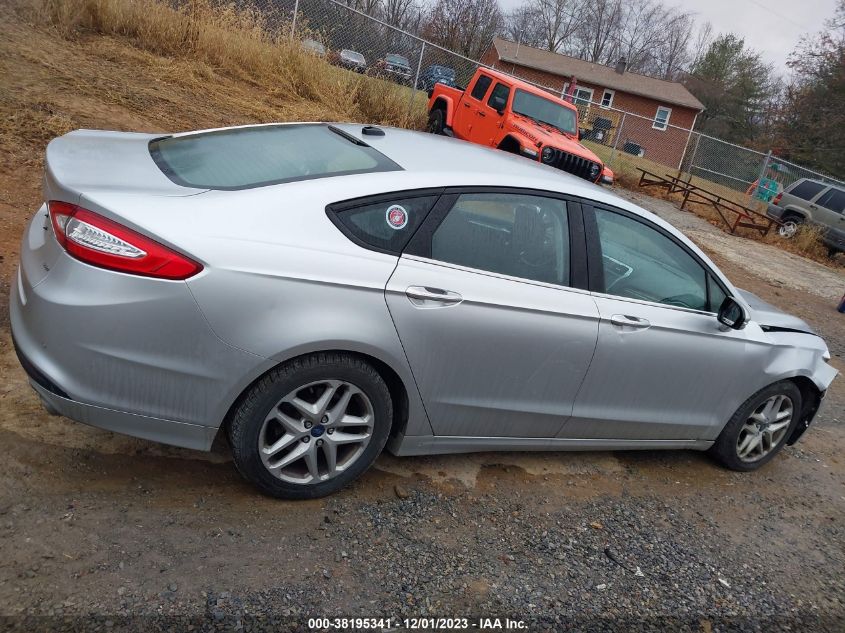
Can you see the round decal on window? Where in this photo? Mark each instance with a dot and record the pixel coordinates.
(397, 217)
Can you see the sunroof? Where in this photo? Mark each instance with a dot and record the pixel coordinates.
(247, 157)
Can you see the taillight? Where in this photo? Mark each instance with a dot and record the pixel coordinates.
(98, 241)
(777, 198)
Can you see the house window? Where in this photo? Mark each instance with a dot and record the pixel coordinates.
(582, 96)
(607, 99)
(661, 119)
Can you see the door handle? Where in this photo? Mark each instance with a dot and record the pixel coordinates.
(466, 105)
(626, 320)
(422, 294)
(480, 113)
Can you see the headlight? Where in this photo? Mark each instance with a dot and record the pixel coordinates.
(527, 151)
(595, 170)
(548, 154)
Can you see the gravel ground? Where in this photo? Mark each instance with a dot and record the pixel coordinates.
(104, 532)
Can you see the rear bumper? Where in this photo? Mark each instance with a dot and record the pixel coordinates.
(774, 211)
(125, 353)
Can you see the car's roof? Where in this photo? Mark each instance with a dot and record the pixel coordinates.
(434, 158)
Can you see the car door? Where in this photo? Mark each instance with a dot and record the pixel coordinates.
(829, 207)
(466, 113)
(486, 304)
(488, 125)
(664, 369)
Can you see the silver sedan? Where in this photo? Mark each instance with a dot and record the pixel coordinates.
(320, 292)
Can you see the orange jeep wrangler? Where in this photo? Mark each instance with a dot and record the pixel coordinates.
(512, 115)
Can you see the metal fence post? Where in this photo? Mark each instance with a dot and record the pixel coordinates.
(692, 160)
(762, 172)
(616, 139)
(293, 22)
(416, 80)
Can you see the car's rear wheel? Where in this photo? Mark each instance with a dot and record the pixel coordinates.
(436, 122)
(311, 426)
(760, 427)
(790, 226)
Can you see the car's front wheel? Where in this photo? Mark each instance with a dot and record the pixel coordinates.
(760, 427)
(311, 426)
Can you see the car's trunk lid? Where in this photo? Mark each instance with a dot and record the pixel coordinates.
(94, 161)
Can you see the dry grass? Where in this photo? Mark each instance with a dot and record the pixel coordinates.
(261, 74)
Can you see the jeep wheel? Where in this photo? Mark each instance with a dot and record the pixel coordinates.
(435, 122)
(790, 226)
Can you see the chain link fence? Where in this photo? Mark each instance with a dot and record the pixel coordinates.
(624, 140)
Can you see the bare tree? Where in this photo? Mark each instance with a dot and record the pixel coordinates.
(523, 25)
(674, 52)
(599, 30)
(404, 14)
(465, 26)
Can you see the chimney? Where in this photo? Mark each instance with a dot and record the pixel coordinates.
(621, 65)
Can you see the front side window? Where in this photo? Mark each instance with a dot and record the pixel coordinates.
(480, 88)
(642, 263)
(661, 119)
(518, 235)
(385, 224)
(833, 199)
(806, 190)
(545, 111)
(499, 97)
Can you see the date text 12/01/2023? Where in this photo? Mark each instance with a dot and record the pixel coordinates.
(417, 624)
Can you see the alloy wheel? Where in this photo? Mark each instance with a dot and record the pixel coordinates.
(765, 428)
(788, 229)
(316, 431)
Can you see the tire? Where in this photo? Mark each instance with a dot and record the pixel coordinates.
(310, 379)
(731, 443)
(790, 226)
(436, 122)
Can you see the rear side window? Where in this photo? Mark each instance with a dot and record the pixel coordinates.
(481, 85)
(806, 190)
(385, 223)
(243, 158)
(834, 199)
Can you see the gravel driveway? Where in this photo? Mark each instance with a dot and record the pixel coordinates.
(143, 537)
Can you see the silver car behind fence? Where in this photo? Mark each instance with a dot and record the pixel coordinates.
(319, 292)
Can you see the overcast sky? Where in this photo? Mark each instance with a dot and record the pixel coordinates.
(772, 27)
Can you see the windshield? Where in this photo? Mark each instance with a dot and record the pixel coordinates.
(443, 71)
(353, 56)
(397, 59)
(545, 111)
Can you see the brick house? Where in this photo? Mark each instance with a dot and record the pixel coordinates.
(666, 109)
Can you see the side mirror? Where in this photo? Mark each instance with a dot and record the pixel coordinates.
(499, 105)
(732, 314)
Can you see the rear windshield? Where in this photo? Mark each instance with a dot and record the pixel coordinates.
(354, 56)
(248, 157)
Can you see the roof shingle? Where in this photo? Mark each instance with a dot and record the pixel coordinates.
(658, 89)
